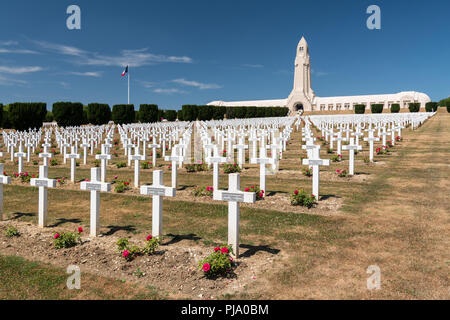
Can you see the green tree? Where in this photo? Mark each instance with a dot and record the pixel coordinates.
(68, 113)
(23, 116)
(395, 108)
(171, 115)
(180, 115)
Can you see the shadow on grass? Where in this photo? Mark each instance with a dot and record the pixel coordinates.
(272, 193)
(63, 221)
(252, 250)
(328, 196)
(18, 215)
(114, 229)
(179, 237)
(184, 187)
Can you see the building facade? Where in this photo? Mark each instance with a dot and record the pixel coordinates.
(302, 96)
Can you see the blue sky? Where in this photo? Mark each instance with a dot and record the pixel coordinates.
(193, 52)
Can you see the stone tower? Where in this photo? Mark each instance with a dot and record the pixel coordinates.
(302, 94)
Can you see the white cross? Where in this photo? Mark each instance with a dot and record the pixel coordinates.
(20, 155)
(3, 180)
(103, 157)
(73, 162)
(95, 186)
(233, 195)
(384, 134)
(351, 147)
(274, 150)
(262, 161)
(46, 155)
(315, 162)
(43, 182)
(64, 147)
(154, 146)
(371, 139)
(136, 157)
(157, 190)
(241, 151)
(215, 160)
(174, 158)
(85, 146)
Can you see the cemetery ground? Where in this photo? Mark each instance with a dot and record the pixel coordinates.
(393, 213)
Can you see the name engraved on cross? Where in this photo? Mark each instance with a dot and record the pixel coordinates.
(234, 196)
(3, 180)
(43, 182)
(95, 186)
(157, 190)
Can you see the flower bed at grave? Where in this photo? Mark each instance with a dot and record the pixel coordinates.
(341, 173)
(231, 168)
(382, 150)
(336, 158)
(255, 189)
(67, 239)
(146, 165)
(203, 191)
(130, 252)
(307, 172)
(302, 198)
(398, 139)
(121, 186)
(218, 263)
(196, 167)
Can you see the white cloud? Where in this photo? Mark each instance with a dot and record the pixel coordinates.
(9, 82)
(133, 58)
(19, 70)
(319, 73)
(146, 84)
(9, 43)
(199, 85)
(253, 65)
(95, 74)
(18, 51)
(168, 91)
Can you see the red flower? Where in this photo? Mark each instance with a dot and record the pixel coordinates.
(149, 237)
(246, 189)
(296, 192)
(261, 195)
(216, 249)
(224, 250)
(125, 254)
(80, 229)
(56, 236)
(262, 191)
(206, 267)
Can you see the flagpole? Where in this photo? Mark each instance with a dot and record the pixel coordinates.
(128, 85)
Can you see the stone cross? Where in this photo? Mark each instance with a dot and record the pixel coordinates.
(274, 147)
(43, 182)
(129, 146)
(46, 155)
(262, 161)
(339, 143)
(371, 139)
(254, 140)
(351, 147)
(241, 151)
(64, 147)
(73, 162)
(157, 190)
(174, 158)
(95, 186)
(20, 155)
(315, 162)
(216, 160)
(233, 195)
(154, 146)
(384, 134)
(3, 180)
(104, 156)
(85, 146)
(137, 157)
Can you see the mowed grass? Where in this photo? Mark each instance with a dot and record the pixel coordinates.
(398, 220)
(22, 279)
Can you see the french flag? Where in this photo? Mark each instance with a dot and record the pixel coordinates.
(125, 71)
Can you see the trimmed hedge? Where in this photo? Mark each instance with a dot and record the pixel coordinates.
(447, 103)
(98, 113)
(68, 113)
(377, 108)
(23, 116)
(360, 108)
(395, 108)
(414, 107)
(171, 115)
(49, 117)
(1, 115)
(148, 113)
(431, 106)
(161, 115)
(180, 115)
(123, 113)
(205, 113)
